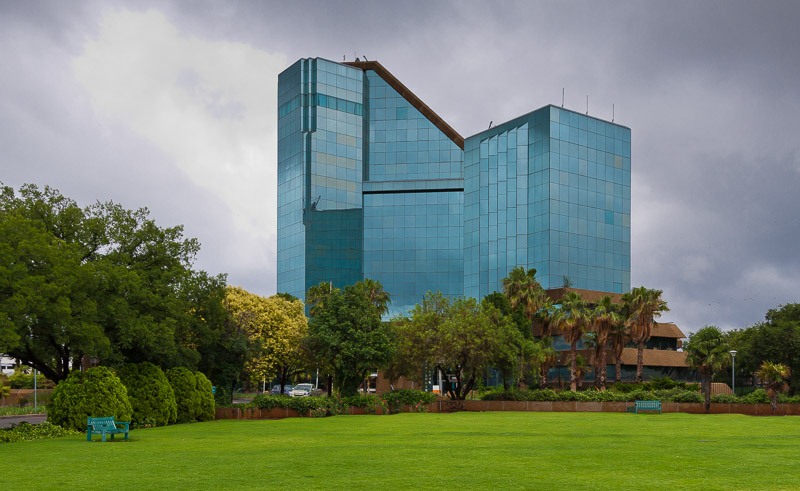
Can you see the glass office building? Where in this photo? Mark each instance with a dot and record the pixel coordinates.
(373, 184)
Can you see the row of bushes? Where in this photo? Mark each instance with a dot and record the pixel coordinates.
(141, 393)
(389, 402)
(676, 394)
(26, 431)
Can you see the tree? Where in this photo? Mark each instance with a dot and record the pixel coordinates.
(524, 292)
(459, 338)
(642, 306)
(275, 328)
(572, 320)
(777, 340)
(347, 337)
(528, 298)
(519, 352)
(619, 336)
(603, 320)
(100, 281)
(707, 352)
(774, 375)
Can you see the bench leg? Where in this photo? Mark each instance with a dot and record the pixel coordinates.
(104, 436)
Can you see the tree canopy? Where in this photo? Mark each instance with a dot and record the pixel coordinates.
(275, 328)
(459, 338)
(100, 281)
(346, 337)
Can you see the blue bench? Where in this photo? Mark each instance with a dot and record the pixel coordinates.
(642, 406)
(106, 426)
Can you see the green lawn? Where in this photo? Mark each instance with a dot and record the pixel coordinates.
(427, 451)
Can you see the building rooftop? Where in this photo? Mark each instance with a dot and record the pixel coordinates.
(412, 99)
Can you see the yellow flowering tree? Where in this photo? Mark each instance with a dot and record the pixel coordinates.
(275, 327)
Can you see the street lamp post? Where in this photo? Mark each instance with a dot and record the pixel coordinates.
(733, 370)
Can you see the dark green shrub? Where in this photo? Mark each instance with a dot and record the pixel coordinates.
(268, 401)
(26, 432)
(785, 399)
(624, 388)
(192, 395)
(541, 395)
(205, 398)
(758, 396)
(396, 399)
(96, 392)
(151, 395)
(184, 386)
(687, 396)
(724, 398)
(371, 403)
(659, 383)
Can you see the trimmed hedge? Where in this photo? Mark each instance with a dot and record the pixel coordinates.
(675, 394)
(151, 395)
(396, 399)
(192, 394)
(205, 396)
(391, 402)
(96, 392)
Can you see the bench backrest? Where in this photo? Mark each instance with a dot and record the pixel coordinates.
(104, 423)
(648, 403)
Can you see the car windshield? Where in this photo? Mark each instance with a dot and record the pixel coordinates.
(303, 386)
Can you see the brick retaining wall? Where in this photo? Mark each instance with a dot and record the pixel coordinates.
(446, 406)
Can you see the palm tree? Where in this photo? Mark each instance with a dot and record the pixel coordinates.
(643, 306)
(603, 319)
(572, 321)
(316, 296)
(376, 294)
(775, 376)
(707, 352)
(619, 336)
(524, 291)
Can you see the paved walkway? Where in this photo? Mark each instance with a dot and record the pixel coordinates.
(8, 421)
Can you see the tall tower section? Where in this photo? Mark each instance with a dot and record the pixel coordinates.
(549, 190)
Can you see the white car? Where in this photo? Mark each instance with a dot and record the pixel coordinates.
(302, 390)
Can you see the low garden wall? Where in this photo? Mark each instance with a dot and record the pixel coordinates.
(446, 406)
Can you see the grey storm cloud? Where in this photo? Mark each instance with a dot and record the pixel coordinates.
(709, 90)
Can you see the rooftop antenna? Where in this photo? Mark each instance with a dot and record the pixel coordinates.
(612, 113)
(587, 104)
(365, 57)
(562, 96)
(490, 124)
(357, 59)
(344, 57)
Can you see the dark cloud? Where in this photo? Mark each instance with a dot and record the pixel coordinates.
(709, 90)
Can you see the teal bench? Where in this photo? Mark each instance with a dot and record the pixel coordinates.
(106, 426)
(641, 406)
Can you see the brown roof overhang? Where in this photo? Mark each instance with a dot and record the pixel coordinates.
(411, 98)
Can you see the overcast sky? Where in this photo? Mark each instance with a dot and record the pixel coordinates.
(172, 106)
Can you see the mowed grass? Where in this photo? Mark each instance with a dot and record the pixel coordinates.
(427, 451)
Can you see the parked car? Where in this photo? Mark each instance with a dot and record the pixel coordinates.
(276, 389)
(302, 390)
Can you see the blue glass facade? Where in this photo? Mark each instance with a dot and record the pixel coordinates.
(550, 190)
(372, 183)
